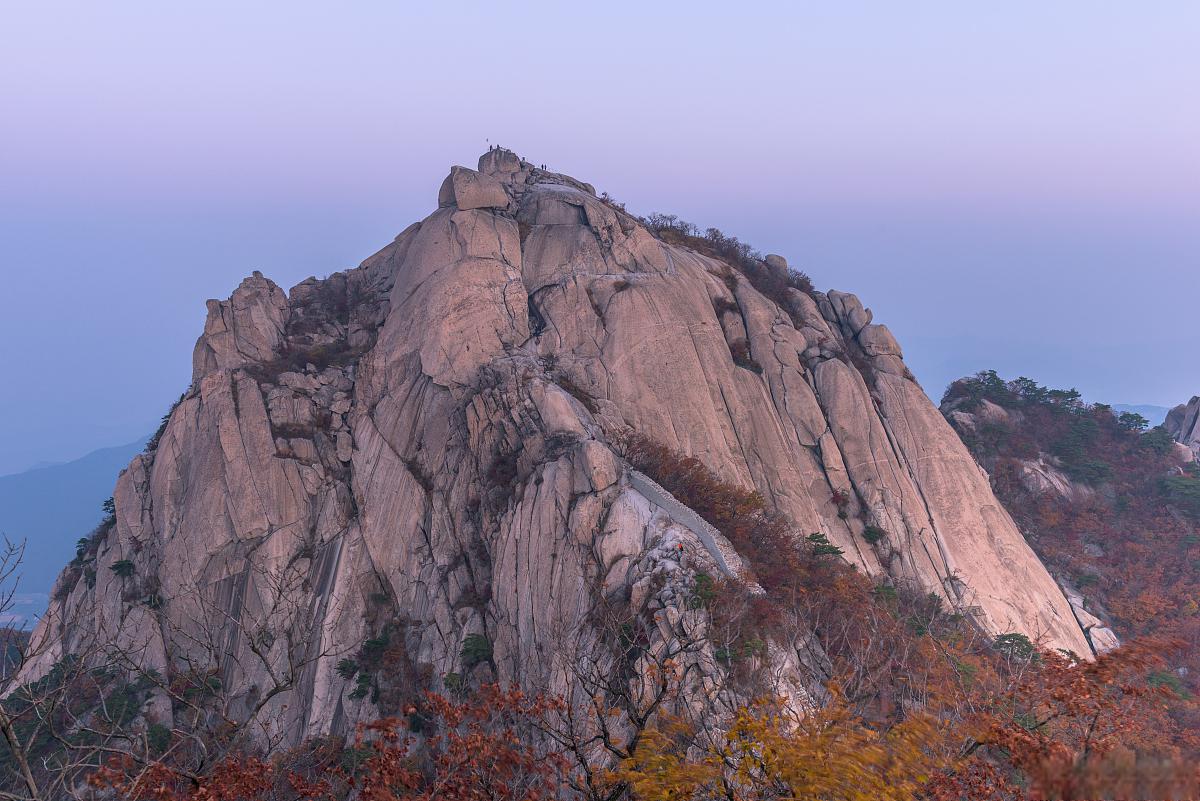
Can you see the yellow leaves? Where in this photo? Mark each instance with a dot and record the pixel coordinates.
(769, 753)
(832, 754)
(660, 769)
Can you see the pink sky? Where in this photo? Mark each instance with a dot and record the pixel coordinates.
(1013, 186)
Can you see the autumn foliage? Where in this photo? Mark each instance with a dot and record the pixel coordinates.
(1052, 729)
(1011, 722)
(1127, 539)
(1085, 730)
(919, 705)
(483, 749)
(770, 753)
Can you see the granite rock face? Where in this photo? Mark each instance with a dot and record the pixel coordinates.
(1183, 423)
(427, 440)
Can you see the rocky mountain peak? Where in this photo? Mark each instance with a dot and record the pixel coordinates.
(424, 452)
(247, 328)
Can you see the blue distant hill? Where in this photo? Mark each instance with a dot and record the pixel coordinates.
(50, 508)
(1155, 414)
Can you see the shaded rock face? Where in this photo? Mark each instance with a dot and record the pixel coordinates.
(1183, 423)
(425, 441)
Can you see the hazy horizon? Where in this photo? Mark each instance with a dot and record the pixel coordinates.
(1015, 188)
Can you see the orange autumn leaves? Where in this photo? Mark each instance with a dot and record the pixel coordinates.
(1095, 730)
(482, 749)
(932, 710)
(1052, 728)
(1056, 729)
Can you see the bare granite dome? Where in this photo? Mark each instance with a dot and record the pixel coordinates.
(428, 438)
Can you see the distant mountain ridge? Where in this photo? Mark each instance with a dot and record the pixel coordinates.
(1154, 414)
(50, 508)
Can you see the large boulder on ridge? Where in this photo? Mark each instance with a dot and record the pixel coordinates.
(468, 189)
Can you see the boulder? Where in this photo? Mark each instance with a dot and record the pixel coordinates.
(499, 161)
(992, 412)
(847, 310)
(468, 189)
(1183, 423)
(877, 340)
(1041, 475)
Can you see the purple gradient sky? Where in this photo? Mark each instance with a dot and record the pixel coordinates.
(1013, 185)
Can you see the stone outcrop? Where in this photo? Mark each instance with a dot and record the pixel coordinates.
(1183, 423)
(467, 189)
(1043, 475)
(423, 444)
(1100, 636)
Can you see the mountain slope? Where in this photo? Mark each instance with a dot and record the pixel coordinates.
(1113, 510)
(413, 468)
